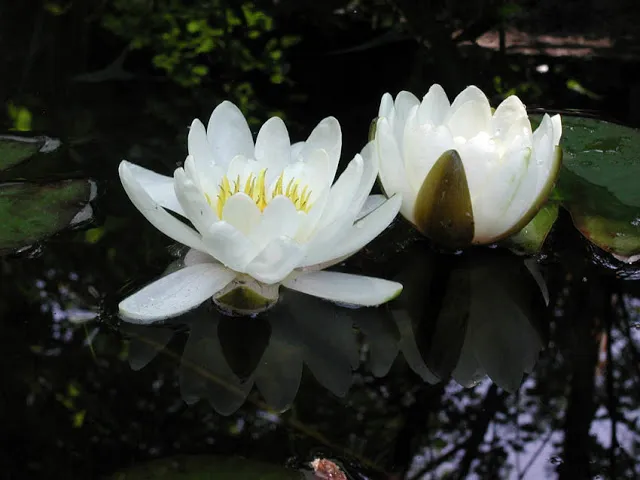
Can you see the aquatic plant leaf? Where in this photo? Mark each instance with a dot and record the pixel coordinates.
(207, 467)
(530, 239)
(443, 206)
(30, 212)
(15, 149)
(599, 183)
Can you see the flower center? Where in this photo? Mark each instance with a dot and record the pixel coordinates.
(255, 188)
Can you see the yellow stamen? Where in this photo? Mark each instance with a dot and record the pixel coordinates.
(255, 187)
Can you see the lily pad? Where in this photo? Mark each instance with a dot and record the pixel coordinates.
(30, 212)
(205, 467)
(15, 149)
(599, 183)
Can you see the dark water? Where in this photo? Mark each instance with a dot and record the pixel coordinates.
(488, 366)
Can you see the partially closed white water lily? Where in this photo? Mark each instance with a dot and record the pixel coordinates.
(262, 215)
(467, 174)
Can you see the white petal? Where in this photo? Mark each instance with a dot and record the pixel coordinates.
(369, 175)
(372, 203)
(230, 246)
(175, 293)
(315, 172)
(199, 146)
(434, 107)
(280, 218)
(276, 261)
(386, 105)
(157, 216)
(273, 147)
(471, 93)
(326, 136)
(194, 257)
(405, 102)
(470, 119)
(228, 134)
(423, 146)
(296, 150)
(510, 111)
(159, 187)
(193, 202)
(557, 129)
(342, 192)
(392, 171)
(361, 233)
(242, 212)
(490, 207)
(346, 288)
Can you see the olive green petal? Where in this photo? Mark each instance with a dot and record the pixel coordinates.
(443, 206)
(243, 300)
(541, 200)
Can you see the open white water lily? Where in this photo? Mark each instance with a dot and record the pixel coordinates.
(467, 174)
(262, 215)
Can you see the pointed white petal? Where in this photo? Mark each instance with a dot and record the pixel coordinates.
(296, 150)
(557, 129)
(422, 149)
(392, 170)
(326, 136)
(356, 237)
(159, 187)
(342, 192)
(199, 146)
(471, 93)
(241, 211)
(509, 112)
(386, 105)
(346, 288)
(230, 246)
(434, 107)
(157, 216)
(470, 119)
(405, 102)
(228, 134)
(369, 174)
(273, 147)
(373, 202)
(194, 257)
(193, 202)
(175, 293)
(279, 219)
(276, 261)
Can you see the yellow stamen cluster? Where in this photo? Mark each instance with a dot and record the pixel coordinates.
(255, 188)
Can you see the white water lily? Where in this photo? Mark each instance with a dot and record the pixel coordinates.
(262, 215)
(466, 174)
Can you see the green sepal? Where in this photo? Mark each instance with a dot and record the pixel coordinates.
(443, 206)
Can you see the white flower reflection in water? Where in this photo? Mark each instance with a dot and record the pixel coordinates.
(467, 317)
(224, 357)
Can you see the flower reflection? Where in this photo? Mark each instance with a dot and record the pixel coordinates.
(465, 317)
(221, 362)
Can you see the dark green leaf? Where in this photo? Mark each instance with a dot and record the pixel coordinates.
(599, 183)
(16, 149)
(31, 212)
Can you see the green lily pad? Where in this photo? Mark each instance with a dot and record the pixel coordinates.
(599, 183)
(30, 212)
(205, 467)
(16, 149)
(530, 239)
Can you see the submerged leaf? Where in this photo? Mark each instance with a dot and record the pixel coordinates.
(31, 212)
(15, 149)
(443, 207)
